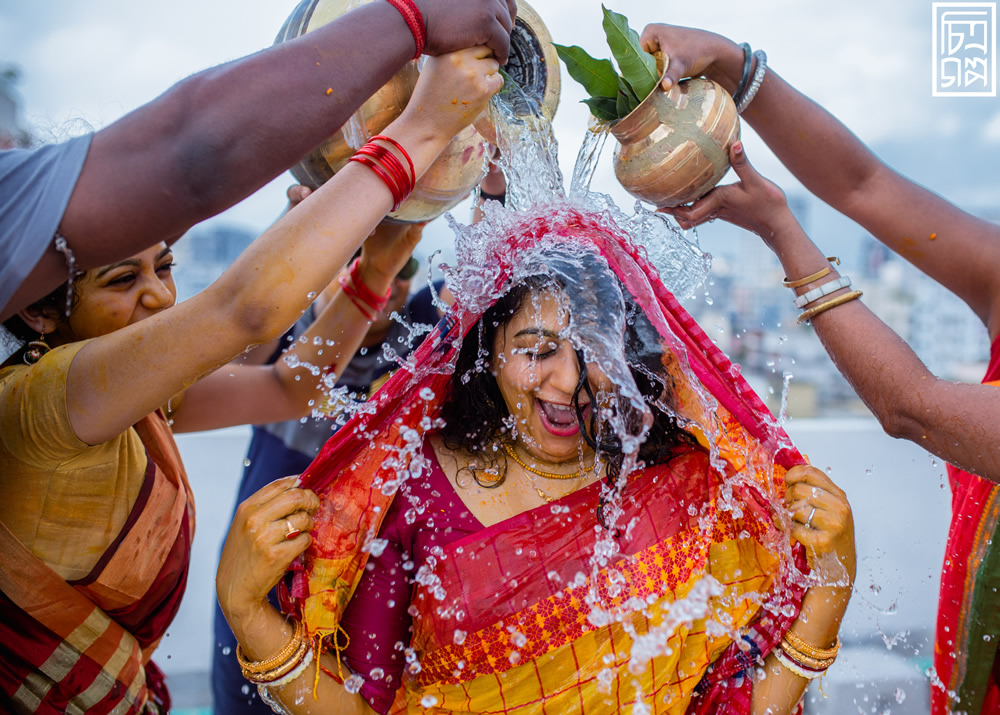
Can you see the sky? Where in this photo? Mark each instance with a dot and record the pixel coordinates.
(83, 65)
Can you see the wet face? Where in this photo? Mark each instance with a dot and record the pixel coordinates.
(537, 373)
(115, 296)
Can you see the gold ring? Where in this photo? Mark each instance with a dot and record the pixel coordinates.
(293, 532)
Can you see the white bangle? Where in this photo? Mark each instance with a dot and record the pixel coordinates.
(758, 77)
(802, 673)
(823, 290)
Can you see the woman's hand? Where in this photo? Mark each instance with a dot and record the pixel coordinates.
(694, 53)
(753, 203)
(387, 250)
(821, 517)
(270, 530)
(453, 90)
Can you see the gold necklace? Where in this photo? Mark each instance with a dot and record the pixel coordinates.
(509, 449)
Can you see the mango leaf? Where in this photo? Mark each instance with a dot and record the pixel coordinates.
(598, 77)
(622, 105)
(631, 101)
(602, 108)
(637, 67)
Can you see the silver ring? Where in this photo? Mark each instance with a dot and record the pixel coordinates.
(809, 519)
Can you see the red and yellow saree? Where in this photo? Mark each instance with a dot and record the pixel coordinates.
(545, 612)
(968, 624)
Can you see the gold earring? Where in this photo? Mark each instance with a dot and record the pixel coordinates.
(35, 350)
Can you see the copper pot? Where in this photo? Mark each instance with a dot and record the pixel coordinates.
(674, 147)
(460, 167)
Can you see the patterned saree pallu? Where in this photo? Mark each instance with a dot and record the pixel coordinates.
(546, 611)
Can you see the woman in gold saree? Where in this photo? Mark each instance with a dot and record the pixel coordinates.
(567, 501)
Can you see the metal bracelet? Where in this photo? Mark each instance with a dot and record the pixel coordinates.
(745, 77)
(823, 290)
(758, 77)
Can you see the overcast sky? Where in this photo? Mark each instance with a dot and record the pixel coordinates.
(869, 61)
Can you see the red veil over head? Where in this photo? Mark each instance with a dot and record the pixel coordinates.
(359, 470)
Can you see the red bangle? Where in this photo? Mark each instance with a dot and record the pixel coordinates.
(345, 285)
(391, 164)
(377, 302)
(397, 196)
(408, 9)
(399, 147)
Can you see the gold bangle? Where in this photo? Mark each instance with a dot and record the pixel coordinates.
(804, 660)
(811, 650)
(832, 303)
(283, 669)
(814, 277)
(795, 668)
(263, 666)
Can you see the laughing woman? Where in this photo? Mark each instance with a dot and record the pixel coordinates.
(96, 517)
(523, 564)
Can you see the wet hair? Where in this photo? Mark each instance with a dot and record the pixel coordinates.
(476, 415)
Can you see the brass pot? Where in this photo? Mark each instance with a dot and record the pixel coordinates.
(458, 170)
(674, 147)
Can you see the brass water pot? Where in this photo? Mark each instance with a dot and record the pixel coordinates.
(460, 167)
(674, 147)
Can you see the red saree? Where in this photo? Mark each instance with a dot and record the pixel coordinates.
(521, 617)
(968, 623)
(85, 646)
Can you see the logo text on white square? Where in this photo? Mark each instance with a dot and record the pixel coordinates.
(964, 49)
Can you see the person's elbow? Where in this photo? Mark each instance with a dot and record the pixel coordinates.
(906, 418)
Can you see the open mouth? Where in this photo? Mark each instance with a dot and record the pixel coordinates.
(558, 419)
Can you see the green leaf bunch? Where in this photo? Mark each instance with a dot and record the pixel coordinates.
(613, 95)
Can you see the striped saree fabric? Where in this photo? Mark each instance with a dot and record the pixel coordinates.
(85, 646)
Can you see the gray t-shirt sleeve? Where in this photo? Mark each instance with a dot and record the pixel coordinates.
(35, 186)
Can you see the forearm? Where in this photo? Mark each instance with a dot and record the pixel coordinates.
(956, 422)
(218, 136)
(329, 343)
(960, 251)
(265, 290)
(262, 635)
(298, 256)
(818, 624)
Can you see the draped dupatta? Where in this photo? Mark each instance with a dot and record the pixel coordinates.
(527, 615)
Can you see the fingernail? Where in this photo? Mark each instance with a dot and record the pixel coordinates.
(738, 148)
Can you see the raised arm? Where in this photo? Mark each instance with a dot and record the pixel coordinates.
(955, 248)
(298, 382)
(275, 279)
(955, 421)
(221, 134)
